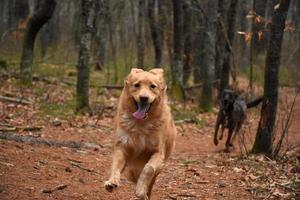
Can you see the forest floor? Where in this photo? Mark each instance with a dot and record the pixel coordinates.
(196, 170)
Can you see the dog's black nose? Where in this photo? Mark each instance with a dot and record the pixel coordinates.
(144, 99)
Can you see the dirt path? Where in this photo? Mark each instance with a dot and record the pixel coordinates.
(193, 172)
(196, 170)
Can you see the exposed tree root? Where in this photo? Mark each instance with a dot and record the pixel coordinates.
(33, 140)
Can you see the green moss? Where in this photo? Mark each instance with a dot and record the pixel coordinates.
(49, 70)
(288, 76)
(39, 91)
(177, 92)
(56, 110)
(181, 114)
(258, 74)
(188, 162)
(206, 103)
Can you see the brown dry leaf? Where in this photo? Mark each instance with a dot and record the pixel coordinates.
(258, 19)
(238, 170)
(251, 14)
(276, 6)
(241, 32)
(260, 35)
(253, 177)
(248, 37)
(280, 194)
(289, 26)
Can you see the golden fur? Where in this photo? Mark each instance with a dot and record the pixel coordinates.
(142, 145)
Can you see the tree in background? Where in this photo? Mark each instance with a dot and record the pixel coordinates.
(265, 131)
(220, 40)
(41, 16)
(140, 34)
(83, 73)
(208, 69)
(231, 17)
(17, 10)
(177, 65)
(188, 40)
(155, 33)
(198, 40)
(102, 32)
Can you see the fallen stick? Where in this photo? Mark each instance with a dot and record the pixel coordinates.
(33, 140)
(24, 128)
(30, 128)
(15, 100)
(82, 168)
(59, 187)
(8, 129)
(75, 161)
(117, 87)
(181, 121)
(199, 85)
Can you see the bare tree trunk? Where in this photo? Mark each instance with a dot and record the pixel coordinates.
(156, 36)
(102, 32)
(140, 34)
(39, 18)
(265, 130)
(296, 17)
(177, 69)
(188, 40)
(17, 10)
(83, 73)
(162, 21)
(48, 34)
(3, 15)
(76, 29)
(208, 70)
(244, 22)
(199, 43)
(220, 42)
(227, 54)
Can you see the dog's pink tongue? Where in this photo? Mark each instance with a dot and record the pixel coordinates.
(141, 111)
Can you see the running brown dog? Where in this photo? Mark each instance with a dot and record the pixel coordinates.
(145, 131)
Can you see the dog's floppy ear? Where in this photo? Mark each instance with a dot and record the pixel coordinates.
(135, 70)
(157, 71)
(160, 72)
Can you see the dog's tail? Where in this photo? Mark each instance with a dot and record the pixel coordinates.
(254, 102)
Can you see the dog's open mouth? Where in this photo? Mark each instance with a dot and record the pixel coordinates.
(142, 110)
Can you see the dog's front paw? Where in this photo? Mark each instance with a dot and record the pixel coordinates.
(111, 185)
(229, 148)
(141, 195)
(216, 142)
(221, 137)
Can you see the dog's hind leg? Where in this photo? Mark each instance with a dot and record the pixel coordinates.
(228, 141)
(237, 131)
(148, 175)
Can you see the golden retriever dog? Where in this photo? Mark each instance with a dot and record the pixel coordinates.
(145, 131)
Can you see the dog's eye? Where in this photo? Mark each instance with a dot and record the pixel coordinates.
(153, 86)
(137, 85)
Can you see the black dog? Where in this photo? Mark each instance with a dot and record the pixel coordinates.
(232, 114)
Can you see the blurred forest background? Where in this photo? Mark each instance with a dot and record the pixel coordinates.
(140, 33)
(204, 47)
(59, 58)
